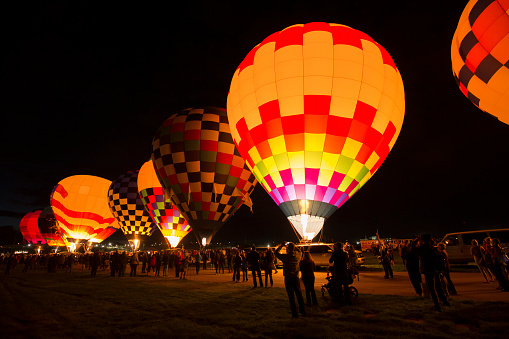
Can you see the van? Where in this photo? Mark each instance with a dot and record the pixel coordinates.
(459, 244)
(321, 253)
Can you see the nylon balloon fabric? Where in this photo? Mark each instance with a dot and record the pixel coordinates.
(315, 109)
(200, 169)
(127, 207)
(80, 205)
(480, 56)
(170, 221)
(29, 227)
(49, 228)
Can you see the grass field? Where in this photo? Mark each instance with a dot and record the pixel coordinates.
(62, 305)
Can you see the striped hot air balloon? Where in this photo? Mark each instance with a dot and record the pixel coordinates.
(314, 110)
(29, 227)
(80, 205)
(167, 217)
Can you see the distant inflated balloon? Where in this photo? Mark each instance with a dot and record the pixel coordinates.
(29, 227)
(50, 231)
(80, 204)
(200, 168)
(128, 209)
(480, 56)
(167, 217)
(314, 110)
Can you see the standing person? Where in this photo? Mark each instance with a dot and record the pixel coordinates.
(253, 259)
(498, 265)
(96, 260)
(237, 265)
(134, 261)
(387, 259)
(144, 260)
(268, 260)
(229, 260)
(429, 259)
(124, 259)
(158, 260)
(216, 260)
(307, 270)
(184, 265)
(447, 269)
(245, 276)
(476, 251)
(291, 273)
(152, 263)
(212, 259)
(411, 261)
(340, 273)
(114, 263)
(197, 261)
(205, 257)
(165, 261)
(177, 261)
(221, 261)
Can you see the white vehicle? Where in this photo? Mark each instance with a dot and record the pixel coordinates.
(459, 244)
(321, 253)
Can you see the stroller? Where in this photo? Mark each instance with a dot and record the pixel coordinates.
(331, 288)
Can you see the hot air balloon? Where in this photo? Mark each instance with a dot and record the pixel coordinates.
(50, 231)
(29, 227)
(172, 224)
(128, 209)
(200, 169)
(480, 56)
(314, 110)
(80, 204)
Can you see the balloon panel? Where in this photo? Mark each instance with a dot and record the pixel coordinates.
(315, 110)
(127, 207)
(80, 205)
(49, 228)
(199, 167)
(480, 56)
(29, 227)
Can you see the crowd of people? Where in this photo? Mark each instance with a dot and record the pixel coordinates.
(421, 256)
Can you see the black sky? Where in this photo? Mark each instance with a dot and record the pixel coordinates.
(86, 86)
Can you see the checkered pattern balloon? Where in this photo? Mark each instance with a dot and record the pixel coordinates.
(480, 56)
(80, 204)
(127, 207)
(200, 169)
(29, 227)
(315, 109)
(49, 228)
(170, 221)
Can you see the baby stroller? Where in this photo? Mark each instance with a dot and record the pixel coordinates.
(331, 288)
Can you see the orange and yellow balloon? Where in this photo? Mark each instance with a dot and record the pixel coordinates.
(314, 110)
(80, 205)
(480, 56)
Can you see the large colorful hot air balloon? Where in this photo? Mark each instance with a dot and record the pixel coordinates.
(50, 231)
(80, 204)
(480, 56)
(200, 169)
(29, 227)
(315, 109)
(172, 224)
(128, 209)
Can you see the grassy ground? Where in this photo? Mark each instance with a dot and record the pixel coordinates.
(41, 305)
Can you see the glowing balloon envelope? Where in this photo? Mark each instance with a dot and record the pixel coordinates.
(29, 227)
(172, 224)
(200, 169)
(314, 110)
(128, 209)
(50, 231)
(80, 205)
(480, 56)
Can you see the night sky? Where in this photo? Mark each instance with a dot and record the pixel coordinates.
(85, 87)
